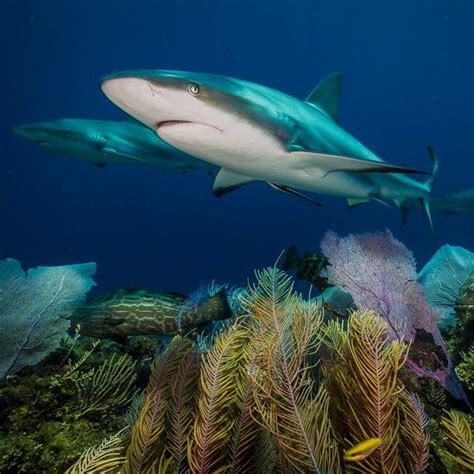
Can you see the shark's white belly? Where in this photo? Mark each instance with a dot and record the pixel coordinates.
(253, 152)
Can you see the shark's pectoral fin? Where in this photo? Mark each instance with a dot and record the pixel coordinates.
(227, 181)
(326, 95)
(292, 192)
(112, 151)
(322, 164)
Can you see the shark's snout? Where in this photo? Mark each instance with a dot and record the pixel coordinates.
(129, 93)
(30, 132)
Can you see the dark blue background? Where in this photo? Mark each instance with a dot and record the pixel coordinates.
(409, 79)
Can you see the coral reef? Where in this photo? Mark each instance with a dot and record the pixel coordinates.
(380, 274)
(280, 389)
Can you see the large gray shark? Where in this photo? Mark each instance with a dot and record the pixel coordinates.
(103, 142)
(254, 132)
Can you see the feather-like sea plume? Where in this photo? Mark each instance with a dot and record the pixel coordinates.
(107, 457)
(460, 441)
(182, 408)
(109, 386)
(251, 448)
(221, 387)
(285, 339)
(258, 401)
(148, 434)
(367, 399)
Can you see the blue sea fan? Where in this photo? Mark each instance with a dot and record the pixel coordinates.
(442, 278)
(34, 306)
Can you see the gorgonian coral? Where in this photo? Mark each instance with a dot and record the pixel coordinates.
(380, 274)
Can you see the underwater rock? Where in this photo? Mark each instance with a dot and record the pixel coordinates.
(442, 278)
(335, 302)
(134, 312)
(33, 308)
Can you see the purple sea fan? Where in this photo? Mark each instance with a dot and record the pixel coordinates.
(379, 272)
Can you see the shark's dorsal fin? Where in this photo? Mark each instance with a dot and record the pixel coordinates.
(326, 95)
(227, 181)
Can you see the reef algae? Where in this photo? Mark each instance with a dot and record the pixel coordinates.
(44, 427)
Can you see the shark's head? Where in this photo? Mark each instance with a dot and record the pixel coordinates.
(197, 113)
(73, 137)
(60, 135)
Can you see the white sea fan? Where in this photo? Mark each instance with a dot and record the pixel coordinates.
(34, 306)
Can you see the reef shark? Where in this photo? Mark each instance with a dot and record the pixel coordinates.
(255, 133)
(456, 203)
(104, 142)
(449, 204)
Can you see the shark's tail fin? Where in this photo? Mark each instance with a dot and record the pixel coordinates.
(408, 204)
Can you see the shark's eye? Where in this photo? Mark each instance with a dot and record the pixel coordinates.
(194, 89)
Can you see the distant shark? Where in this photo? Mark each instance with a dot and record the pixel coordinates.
(255, 133)
(103, 142)
(455, 203)
(450, 204)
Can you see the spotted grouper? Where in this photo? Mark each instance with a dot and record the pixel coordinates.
(136, 312)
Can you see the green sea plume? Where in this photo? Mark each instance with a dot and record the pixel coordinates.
(459, 447)
(107, 386)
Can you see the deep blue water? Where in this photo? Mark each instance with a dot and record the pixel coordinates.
(409, 82)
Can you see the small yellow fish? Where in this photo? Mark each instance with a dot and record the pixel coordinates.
(361, 450)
